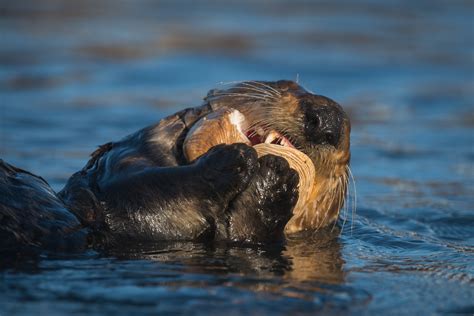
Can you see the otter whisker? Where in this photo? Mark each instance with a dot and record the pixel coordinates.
(252, 134)
(321, 223)
(267, 86)
(257, 123)
(276, 97)
(342, 205)
(251, 83)
(337, 194)
(354, 209)
(266, 91)
(338, 211)
(244, 95)
(234, 82)
(345, 195)
(330, 206)
(263, 94)
(258, 90)
(345, 211)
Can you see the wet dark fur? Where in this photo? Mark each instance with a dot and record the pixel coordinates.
(141, 189)
(31, 216)
(135, 189)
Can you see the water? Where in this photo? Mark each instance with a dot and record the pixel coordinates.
(74, 75)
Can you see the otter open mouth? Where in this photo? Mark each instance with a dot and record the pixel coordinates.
(259, 136)
(227, 126)
(255, 134)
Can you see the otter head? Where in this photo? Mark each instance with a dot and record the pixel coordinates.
(286, 114)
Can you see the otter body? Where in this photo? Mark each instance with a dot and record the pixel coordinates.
(142, 188)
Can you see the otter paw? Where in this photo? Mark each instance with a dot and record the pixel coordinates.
(229, 166)
(277, 187)
(261, 212)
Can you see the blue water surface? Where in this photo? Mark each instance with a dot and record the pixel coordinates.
(77, 74)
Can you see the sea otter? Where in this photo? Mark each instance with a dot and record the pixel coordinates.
(143, 188)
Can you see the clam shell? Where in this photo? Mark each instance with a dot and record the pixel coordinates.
(223, 126)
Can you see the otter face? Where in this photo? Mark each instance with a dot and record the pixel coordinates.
(286, 114)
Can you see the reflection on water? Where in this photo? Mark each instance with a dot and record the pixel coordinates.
(311, 257)
(304, 275)
(74, 75)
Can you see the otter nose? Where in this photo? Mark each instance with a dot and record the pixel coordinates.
(323, 125)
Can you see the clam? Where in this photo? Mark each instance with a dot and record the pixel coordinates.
(224, 126)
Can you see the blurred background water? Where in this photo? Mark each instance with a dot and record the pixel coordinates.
(76, 74)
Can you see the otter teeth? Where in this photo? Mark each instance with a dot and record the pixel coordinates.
(271, 137)
(285, 142)
(276, 138)
(260, 131)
